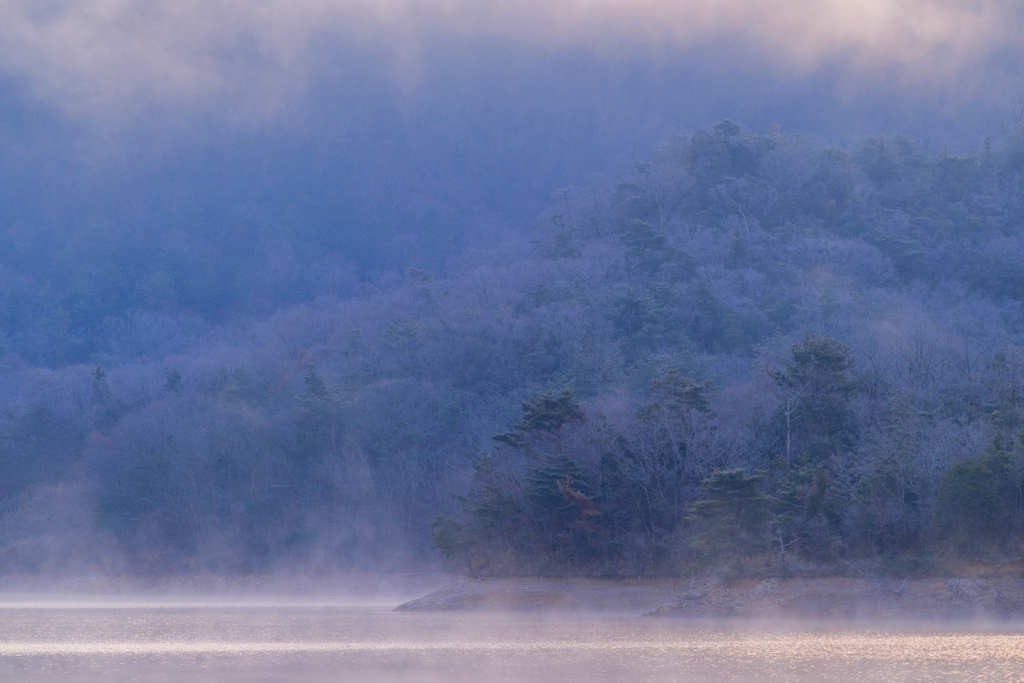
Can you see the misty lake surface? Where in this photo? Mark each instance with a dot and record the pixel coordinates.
(180, 641)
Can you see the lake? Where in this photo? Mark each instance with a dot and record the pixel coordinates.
(111, 642)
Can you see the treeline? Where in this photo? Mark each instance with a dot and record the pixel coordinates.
(841, 478)
(752, 350)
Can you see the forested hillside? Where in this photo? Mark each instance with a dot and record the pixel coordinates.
(753, 349)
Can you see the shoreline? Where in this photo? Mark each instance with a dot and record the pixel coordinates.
(827, 598)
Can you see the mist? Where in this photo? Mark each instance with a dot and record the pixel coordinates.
(103, 52)
(273, 277)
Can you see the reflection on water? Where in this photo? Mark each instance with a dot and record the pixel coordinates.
(231, 642)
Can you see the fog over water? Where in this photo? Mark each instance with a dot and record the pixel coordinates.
(180, 641)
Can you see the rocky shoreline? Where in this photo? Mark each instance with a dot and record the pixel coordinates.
(998, 598)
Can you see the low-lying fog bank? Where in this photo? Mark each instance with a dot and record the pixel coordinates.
(819, 597)
(216, 643)
(384, 590)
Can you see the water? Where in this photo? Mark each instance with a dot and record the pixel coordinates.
(177, 641)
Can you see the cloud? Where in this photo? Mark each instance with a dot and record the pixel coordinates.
(90, 55)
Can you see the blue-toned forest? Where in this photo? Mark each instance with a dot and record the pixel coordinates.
(746, 348)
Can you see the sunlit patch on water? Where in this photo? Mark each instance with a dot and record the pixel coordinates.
(193, 641)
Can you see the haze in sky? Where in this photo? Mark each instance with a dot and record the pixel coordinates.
(98, 54)
(455, 118)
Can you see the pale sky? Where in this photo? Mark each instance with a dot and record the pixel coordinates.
(90, 55)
